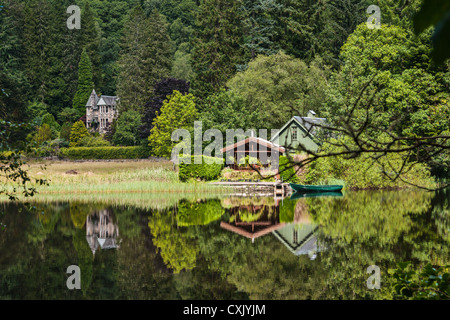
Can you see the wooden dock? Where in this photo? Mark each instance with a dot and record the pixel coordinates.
(278, 190)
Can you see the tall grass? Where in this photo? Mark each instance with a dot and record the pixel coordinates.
(97, 178)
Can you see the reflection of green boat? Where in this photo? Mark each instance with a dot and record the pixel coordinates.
(298, 195)
(324, 188)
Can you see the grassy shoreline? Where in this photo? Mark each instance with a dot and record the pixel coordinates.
(102, 177)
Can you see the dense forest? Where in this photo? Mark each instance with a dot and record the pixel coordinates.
(230, 63)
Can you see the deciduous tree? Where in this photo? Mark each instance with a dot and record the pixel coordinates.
(176, 113)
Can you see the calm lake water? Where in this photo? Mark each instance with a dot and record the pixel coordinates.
(227, 248)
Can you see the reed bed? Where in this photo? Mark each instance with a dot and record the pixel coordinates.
(96, 178)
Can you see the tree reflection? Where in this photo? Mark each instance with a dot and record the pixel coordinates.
(183, 252)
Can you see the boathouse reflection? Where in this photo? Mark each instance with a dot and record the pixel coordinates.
(254, 218)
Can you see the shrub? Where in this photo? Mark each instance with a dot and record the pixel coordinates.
(77, 133)
(202, 171)
(104, 153)
(287, 170)
(65, 131)
(43, 134)
(92, 141)
(127, 129)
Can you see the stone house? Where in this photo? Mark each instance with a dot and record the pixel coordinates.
(100, 112)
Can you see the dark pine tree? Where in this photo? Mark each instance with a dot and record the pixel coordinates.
(85, 84)
(218, 45)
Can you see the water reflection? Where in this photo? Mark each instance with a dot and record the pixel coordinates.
(101, 231)
(228, 248)
(252, 218)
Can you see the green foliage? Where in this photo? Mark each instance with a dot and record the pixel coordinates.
(177, 112)
(368, 171)
(389, 87)
(43, 134)
(93, 141)
(182, 66)
(287, 170)
(279, 87)
(91, 37)
(69, 115)
(259, 27)
(79, 214)
(145, 58)
(227, 110)
(177, 248)
(430, 283)
(208, 170)
(127, 128)
(36, 109)
(49, 119)
(66, 128)
(85, 84)
(435, 13)
(78, 132)
(198, 213)
(218, 45)
(12, 167)
(85, 153)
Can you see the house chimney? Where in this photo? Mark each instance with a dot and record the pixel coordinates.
(311, 114)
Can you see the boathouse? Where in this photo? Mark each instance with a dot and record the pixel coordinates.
(253, 152)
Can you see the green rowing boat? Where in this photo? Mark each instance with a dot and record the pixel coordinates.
(324, 188)
(299, 195)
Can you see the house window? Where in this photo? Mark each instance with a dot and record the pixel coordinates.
(294, 134)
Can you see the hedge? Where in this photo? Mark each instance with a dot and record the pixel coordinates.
(202, 171)
(104, 153)
(288, 175)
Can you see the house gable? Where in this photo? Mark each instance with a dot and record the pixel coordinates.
(303, 136)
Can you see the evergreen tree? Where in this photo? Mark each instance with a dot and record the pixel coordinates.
(218, 45)
(90, 40)
(37, 38)
(259, 26)
(43, 134)
(85, 84)
(144, 60)
(77, 133)
(66, 129)
(11, 50)
(112, 14)
(299, 26)
(342, 18)
(127, 130)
